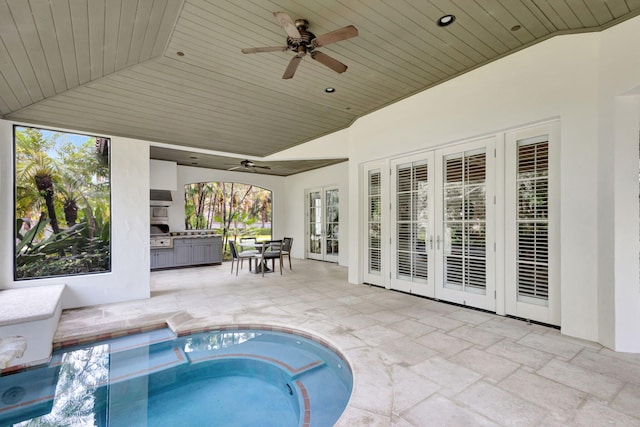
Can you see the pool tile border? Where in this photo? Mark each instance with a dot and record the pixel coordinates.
(271, 328)
(108, 335)
(196, 330)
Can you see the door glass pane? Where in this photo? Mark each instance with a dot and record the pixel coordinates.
(532, 221)
(453, 204)
(373, 229)
(465, 214)
(332, 201)
(412, 217)
(315, 223)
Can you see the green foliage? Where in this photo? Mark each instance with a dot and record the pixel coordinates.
(59, 180)
(233, 208)
(30, 235)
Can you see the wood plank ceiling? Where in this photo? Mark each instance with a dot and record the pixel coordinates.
(112, 66)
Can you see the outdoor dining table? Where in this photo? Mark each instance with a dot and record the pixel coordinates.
(260, 263)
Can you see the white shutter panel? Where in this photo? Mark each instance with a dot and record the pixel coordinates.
(465, 217)
(412, 221)
(533, 220)
(374, 218)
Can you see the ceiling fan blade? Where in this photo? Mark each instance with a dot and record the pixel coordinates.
(264, 49)
(328, 61)
(292, 67)
(335, 36)
(285, 20)
(261, 167)
(234, 168)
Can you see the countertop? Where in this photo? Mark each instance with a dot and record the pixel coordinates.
(192, 234)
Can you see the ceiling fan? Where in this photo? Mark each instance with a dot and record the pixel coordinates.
(249, 165)
(303, 42)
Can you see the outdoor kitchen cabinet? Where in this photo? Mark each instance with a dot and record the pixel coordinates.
(181, 252)
(206, 251)
(161, 258)
(188, 251)
(196, 251)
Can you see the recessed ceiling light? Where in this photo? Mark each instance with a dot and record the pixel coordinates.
(330, 89)
(446, 20)
(194, 163)
(515, 28)
(193, 157)
(179, 53)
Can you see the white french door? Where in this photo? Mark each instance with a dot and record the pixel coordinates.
(323, 230)
(532, 223)
(457, 225)
(465, 225)
(412, 230)
(442, 227)
(375, 176)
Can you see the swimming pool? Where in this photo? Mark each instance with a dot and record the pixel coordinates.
(249, 377)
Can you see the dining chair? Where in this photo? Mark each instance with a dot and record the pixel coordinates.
(287, 242)
(239, 257)
(271, 250)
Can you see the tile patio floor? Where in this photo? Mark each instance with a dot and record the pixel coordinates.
(416, 362)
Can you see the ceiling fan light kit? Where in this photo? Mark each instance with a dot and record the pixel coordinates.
(304, 42)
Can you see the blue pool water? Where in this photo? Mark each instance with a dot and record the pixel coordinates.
(223, 378)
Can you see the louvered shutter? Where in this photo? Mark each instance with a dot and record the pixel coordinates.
(412, 218)
(465, 224)
(374, 218)
(533, 220)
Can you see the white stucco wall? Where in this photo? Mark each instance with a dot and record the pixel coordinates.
(163, 175)
(619, 90)
(129, 227)
(295, 204)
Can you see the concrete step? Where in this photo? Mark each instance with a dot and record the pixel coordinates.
(31, 313)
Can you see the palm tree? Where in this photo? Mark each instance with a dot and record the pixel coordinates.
(70, 192)
(40, 169)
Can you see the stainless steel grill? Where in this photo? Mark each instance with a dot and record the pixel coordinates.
(159, 237)
(161, 241)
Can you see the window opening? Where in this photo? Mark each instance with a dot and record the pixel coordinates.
(62, 204)
(230, 209)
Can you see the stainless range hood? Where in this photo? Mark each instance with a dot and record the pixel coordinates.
(160, 198)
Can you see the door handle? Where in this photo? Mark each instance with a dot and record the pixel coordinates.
(431, 242)
(438, 243)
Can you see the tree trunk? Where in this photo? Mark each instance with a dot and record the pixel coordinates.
(51, 210)
(70, 212)
(44, 184)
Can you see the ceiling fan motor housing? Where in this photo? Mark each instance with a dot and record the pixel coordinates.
(304, 41)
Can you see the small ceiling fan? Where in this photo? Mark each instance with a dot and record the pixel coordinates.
(249, 165)
(303, 42)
